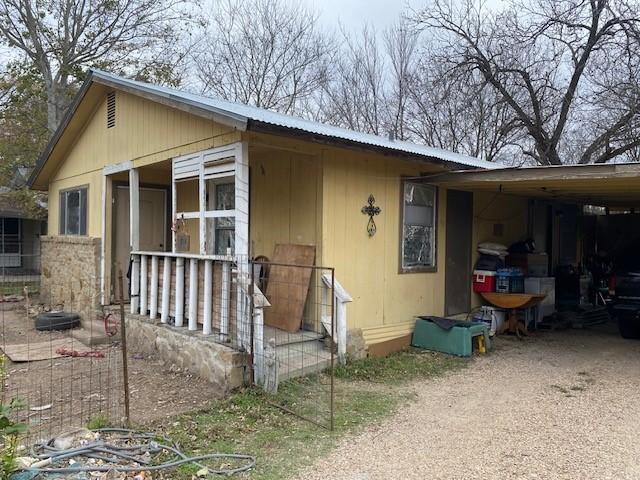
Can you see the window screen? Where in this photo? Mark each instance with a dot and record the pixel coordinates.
(225, 226)
(9, 235)
(73, 212)
(418, 226)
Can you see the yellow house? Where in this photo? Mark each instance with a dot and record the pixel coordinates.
(191, 189)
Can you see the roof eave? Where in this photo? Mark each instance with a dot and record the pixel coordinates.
(53, 141)
(273, 129)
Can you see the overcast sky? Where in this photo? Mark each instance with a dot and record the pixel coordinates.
(353, 13)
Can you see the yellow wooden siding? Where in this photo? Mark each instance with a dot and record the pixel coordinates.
(368, 266)
(285, 201)
(145, 133)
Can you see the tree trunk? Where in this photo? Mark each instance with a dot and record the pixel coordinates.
(53, 102)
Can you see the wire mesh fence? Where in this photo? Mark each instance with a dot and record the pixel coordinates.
(67, 372)
(61, 375)
(295, 362)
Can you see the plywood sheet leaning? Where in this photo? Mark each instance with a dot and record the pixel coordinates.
(288, 285)
(32, 352)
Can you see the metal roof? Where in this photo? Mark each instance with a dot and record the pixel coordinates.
(608, 184)
(238, 112)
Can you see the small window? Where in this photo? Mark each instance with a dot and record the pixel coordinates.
(225, 226)
(73, 211)
(9, 236)
(418, 242)
(111, 109)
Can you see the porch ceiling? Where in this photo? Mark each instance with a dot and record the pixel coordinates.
(605, 185)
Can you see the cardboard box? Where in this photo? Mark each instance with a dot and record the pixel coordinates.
(531, 264)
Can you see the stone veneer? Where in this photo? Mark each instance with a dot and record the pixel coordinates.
(356, 346)
(71, 273)
(190, 350)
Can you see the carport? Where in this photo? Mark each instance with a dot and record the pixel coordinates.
(577, 215)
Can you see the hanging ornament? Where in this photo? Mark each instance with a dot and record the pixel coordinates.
(371, 210)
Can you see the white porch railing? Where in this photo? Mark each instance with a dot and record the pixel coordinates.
(212, 294)
(340, 300)
(209, 293)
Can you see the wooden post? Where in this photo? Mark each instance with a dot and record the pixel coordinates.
(103, 247)
(202, 207)
(135, 284)
(166, 289)
(134, 235)
(193, 294)
(134, 209)
(153, 306)
(258, 345)
(225, 300)
(208, 296)
(144, 282)
(123, 343)
(179, 291)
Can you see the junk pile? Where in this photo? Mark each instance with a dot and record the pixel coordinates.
(118, 453)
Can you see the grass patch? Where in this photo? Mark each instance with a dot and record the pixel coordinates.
(400, 367)
(98, 421)
(17, 288)
(247, 422)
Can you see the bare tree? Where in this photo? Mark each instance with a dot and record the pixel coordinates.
(567, 70)
(267, 53)
(61, 37)
(355, 95)
(460, 113)
(401, 42)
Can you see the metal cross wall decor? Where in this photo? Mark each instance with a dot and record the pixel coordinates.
(371, 210)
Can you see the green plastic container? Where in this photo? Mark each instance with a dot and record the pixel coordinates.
(456, 341)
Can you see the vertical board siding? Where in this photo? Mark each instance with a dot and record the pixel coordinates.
(366, 266)
(285, 200)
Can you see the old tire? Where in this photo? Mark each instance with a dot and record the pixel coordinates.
(57, 321)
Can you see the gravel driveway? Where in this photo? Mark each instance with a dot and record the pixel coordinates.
(562, 405)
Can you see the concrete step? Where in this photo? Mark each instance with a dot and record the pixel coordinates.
(302, 358)
(287, 338)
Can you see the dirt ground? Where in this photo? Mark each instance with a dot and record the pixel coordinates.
(560, 405)
(63, 392)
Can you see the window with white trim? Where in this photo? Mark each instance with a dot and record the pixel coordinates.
(73, 211)
(214, 171)
(418, 235)
(221, 231)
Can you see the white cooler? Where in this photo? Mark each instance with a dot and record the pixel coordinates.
(540, 285)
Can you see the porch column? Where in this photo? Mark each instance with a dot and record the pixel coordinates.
(242, 201)
(134, 235)
(193, 294)
(243, 315)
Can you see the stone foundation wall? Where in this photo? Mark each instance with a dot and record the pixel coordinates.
(356, 346)
(190, 350)
(70, 273)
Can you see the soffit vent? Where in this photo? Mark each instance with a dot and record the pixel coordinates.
(111, 109)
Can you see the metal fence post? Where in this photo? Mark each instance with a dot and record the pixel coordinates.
(123, 333)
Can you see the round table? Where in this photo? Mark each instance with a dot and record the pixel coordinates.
(513, 302)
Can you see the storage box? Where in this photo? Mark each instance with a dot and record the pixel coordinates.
(509, 281)
(484, 281)
(457, 340)
(531, 264)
